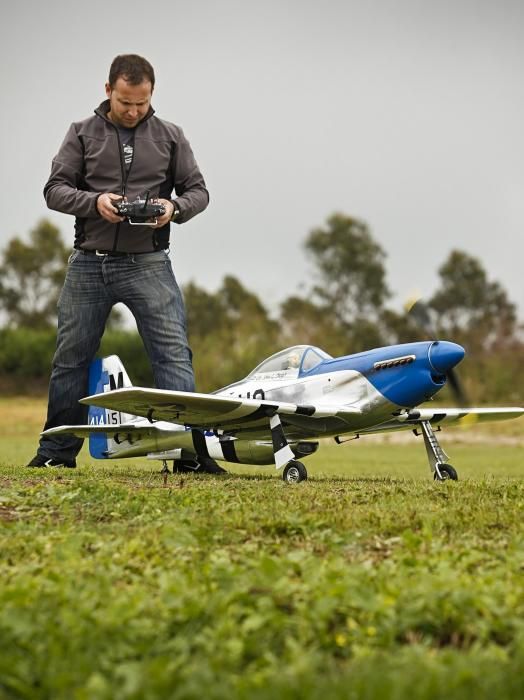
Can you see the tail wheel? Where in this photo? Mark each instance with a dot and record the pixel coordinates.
(446, 472)
(294, 472)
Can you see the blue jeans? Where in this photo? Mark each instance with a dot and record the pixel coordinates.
(146, 284)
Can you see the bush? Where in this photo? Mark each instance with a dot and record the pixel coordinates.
(26, 356)
(130, 349)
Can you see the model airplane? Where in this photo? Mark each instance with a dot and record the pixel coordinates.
(277, 414)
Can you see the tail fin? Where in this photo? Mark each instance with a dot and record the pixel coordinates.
(106, 374)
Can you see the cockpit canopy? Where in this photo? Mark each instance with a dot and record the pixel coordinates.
(291, 362)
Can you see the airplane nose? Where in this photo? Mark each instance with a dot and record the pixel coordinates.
(444, 355)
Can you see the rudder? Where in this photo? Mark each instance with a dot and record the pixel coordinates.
(105, 374)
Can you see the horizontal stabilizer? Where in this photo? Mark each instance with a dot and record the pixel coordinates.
(85, 431)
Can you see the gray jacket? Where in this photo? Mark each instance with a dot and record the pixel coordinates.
(90, 162)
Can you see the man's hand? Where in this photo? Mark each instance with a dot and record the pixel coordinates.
(165, 218)
(106, 209)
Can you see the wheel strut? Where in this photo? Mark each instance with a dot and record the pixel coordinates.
(165, 471)
(436, 456)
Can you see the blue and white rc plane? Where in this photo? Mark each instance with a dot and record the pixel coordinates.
(278, 413)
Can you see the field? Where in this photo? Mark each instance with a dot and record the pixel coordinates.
(367, 581)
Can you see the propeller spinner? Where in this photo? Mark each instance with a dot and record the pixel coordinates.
(443, 354)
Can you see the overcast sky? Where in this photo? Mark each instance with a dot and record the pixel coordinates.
(407, 114)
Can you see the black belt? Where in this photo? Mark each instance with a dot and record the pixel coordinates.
(114, 253)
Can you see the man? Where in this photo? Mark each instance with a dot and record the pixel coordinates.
(122, 152)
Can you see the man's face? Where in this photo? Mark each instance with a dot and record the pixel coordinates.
(129, 104)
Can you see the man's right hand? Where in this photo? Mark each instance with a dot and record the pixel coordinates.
(106, 208)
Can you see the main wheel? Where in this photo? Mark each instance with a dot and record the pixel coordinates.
(294, 472)
(446, 472)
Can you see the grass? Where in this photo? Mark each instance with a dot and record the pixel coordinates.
(367, 581)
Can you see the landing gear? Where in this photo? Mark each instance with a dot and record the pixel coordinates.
(199, 465)
(165, 471)
(294, 472)
(445, 472)
(442, 471)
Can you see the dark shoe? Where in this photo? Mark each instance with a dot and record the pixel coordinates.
(41, 461)
(184, 466)
(209, 466)
(204, 465)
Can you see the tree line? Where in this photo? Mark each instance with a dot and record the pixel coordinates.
(345, 308)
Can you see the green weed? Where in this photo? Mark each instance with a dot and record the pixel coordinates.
(367, 581)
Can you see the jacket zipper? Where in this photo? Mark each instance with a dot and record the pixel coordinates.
(122, 164)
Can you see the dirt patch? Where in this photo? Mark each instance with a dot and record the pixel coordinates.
(8, 514)
(28, 387)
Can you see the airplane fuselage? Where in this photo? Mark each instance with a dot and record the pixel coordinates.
(376, 385)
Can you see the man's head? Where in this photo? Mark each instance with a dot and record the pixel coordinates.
(129, 89)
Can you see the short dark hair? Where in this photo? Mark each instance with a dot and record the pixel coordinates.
(132, 68)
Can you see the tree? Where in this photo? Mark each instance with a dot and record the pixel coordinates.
(470, 307)
(229, 331)
(31, 276)
(350, 267)
(476, 312)
(303, 322)
(203, 311)
(239, 303)
(344, 308)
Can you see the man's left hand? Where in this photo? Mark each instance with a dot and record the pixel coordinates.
(165, 218)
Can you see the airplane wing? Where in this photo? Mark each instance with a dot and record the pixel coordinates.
(448, 416)
(209, 410)
(465, 416)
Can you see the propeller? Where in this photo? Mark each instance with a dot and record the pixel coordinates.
(420, 313)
